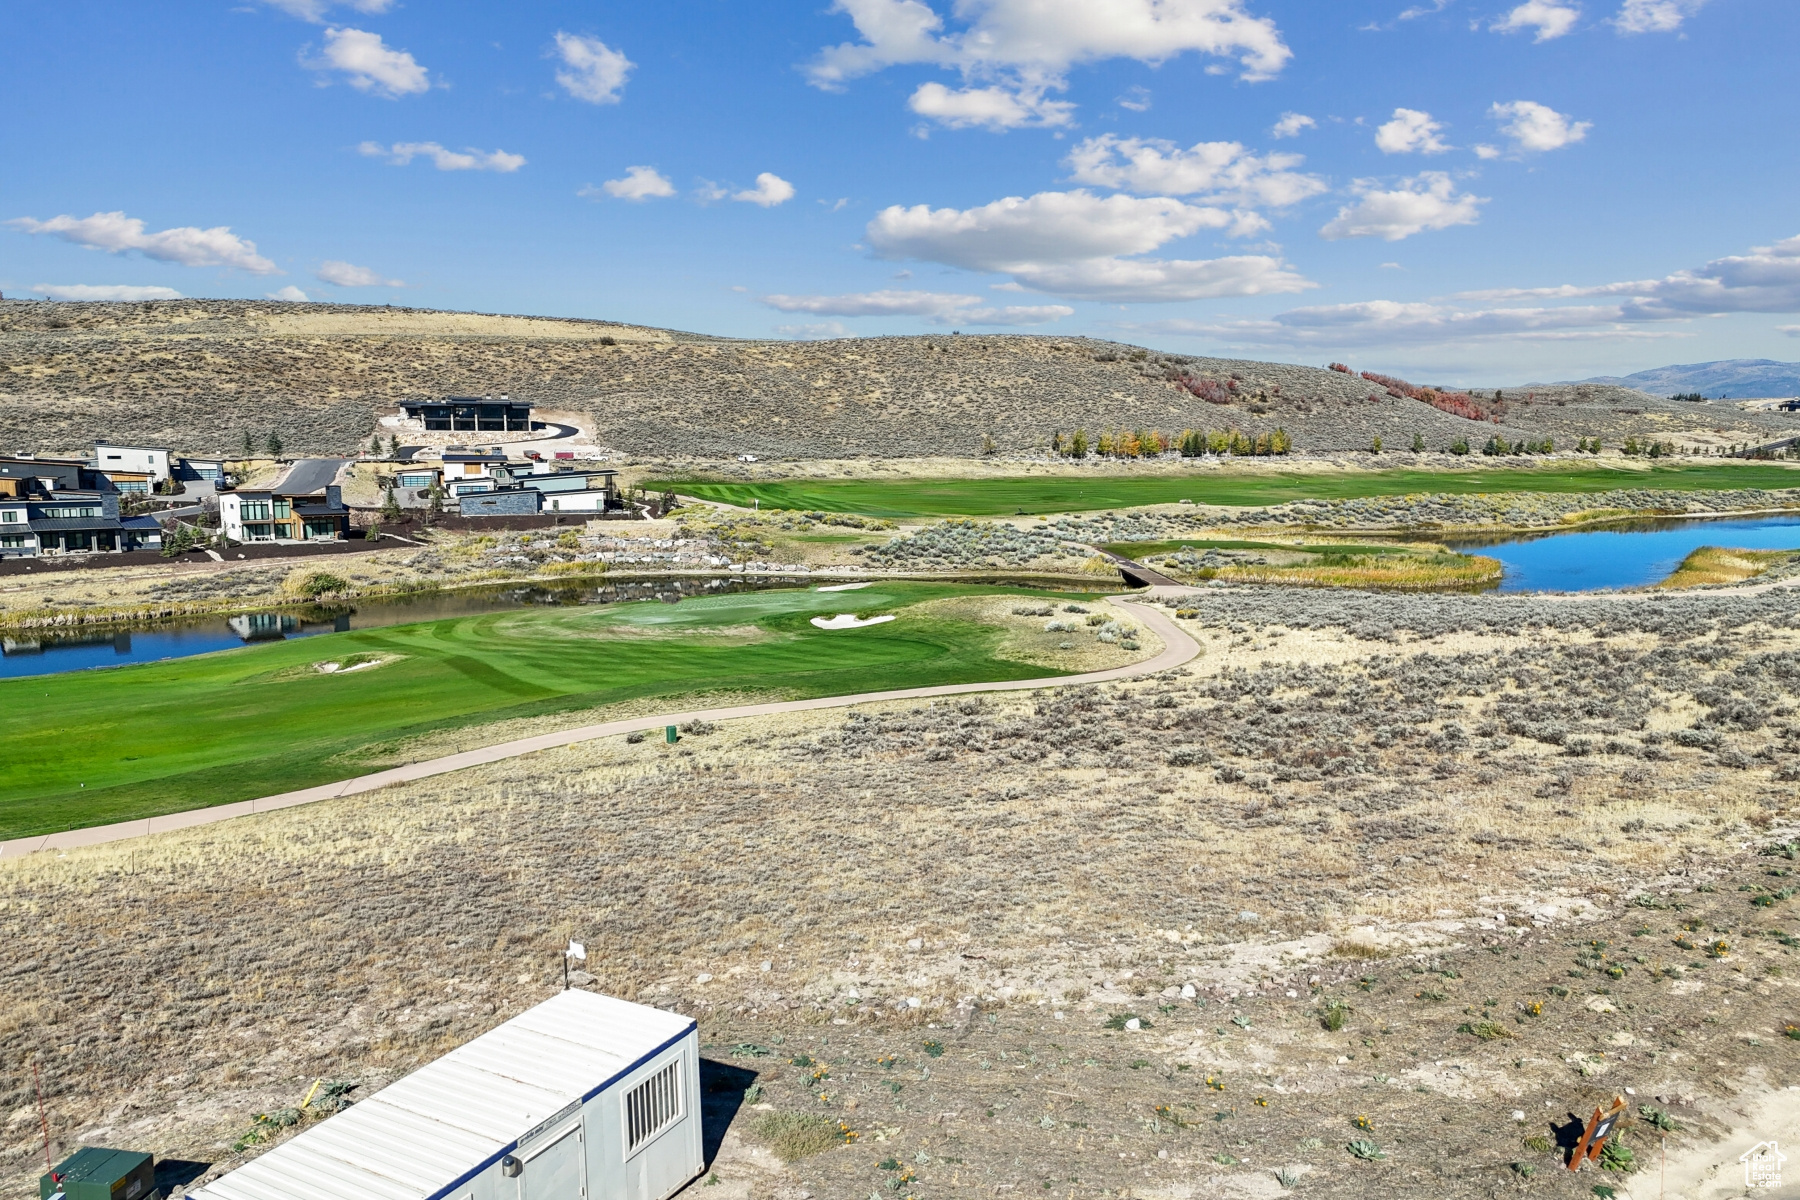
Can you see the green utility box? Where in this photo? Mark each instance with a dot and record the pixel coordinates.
(92, 1173)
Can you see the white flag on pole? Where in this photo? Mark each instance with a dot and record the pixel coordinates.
(576, 950)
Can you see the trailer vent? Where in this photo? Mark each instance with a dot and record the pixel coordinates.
(651, 1106)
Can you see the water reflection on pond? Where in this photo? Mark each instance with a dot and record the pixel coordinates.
(1624, 556)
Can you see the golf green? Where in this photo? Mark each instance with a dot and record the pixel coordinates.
(98, 746)
(1083, 493)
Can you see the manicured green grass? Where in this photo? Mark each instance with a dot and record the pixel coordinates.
(94, 747)
(1081, 493)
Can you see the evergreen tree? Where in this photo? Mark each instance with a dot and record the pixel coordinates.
(394, 445)
(249, 446)
(1078, 444)
(1460, 446)
(1056, 442)
(1418, 443)
(390, 505)
(273, 444)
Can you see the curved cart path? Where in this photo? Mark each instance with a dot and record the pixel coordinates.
(1178, 648)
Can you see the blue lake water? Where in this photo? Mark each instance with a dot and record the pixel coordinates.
(1626, 556)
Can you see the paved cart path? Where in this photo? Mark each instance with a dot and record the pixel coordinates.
(1178, 648)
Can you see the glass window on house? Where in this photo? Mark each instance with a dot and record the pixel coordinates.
(321, 529)
(12, 541)
(254, 510)
(283, 509)
(259, 533)
(10, 516)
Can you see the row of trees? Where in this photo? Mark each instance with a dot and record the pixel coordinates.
(1190, 443)
(272, 444)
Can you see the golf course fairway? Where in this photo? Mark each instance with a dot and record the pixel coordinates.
(1086, 493)
(98, 746)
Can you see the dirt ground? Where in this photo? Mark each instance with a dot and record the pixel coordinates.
(1429, 877)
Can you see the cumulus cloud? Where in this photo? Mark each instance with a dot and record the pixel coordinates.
(1655, 16)
(592, 70)
(291, 294)
(467, 159)
(315, 10)
(1075, 243)
(940, 308)
(1291, 124)
(104, 291)
(1222, 170)
(369, 65)
(816, 331)
(1389, 322)
(1767, 280)
(1550, 19)
(1426, 201)
(639, 183)
(989, 107)
(188, 245)
(343, 274)
(1027, 47)
(770, 190)
(1537, 127)
(1410, 132)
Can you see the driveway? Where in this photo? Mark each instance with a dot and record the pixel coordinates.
(312, 474)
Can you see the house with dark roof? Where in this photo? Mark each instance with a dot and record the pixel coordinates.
(59, 506)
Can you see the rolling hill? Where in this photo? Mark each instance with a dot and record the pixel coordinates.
(198, 374)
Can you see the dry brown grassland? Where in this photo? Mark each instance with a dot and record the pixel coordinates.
(1530, 854)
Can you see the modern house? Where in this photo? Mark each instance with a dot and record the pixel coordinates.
(278, 515)
(580, 1096)
(517, 491)
(469, 471)
(470, 414)
(133, 468)
(58, 506)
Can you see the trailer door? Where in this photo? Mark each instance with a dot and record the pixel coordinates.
(557, 1172)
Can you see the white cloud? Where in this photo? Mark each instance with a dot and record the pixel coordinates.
(1389, 322)
(1485, 151)
(343, 274)
(941, 308)
(1550, 19)
(1537, 127)
(814, 332)
(1767, 280)
(1411, 131)
(467, 159)
(290, 293)
(1027, 47)
(1423, 10)
(993, 108)
(1426, 201)
(104, 291)
(770, 190)
(117, 233)
(1655, 16)
(315, 10)
(639, 183)
(369, 65)
(1074, 243)
(1223, 170)
(1291, 124)
(594, 72)
(1136, 98)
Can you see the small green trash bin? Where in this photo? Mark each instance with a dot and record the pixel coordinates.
(94, 1173)
(671, 735)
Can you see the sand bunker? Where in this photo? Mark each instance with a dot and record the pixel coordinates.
(845, 587)
(849, 621)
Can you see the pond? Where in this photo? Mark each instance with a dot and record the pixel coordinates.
(1625, 556)
(51, 652)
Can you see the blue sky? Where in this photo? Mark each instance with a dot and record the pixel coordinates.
(1471, 191)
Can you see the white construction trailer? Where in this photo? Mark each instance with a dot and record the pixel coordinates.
(582, 1096)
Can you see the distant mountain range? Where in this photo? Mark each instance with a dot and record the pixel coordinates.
(1733, 378)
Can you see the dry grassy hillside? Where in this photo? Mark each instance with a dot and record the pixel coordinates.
(197, 373)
